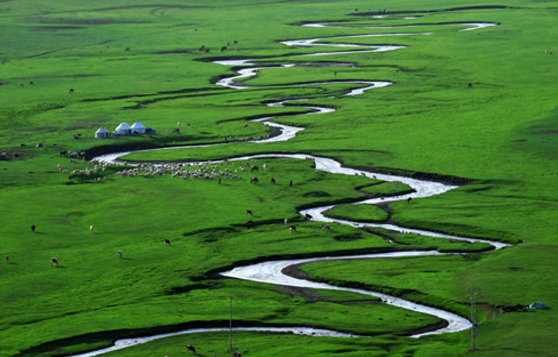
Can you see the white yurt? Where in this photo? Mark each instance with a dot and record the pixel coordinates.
(102, 133)
(138, 127)
(123, 129)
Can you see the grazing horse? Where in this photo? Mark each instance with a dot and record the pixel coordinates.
(254, 179)
(53, 261)
(308, 216)
(7, 258)
(469, 85)
(33, 228)
(292, 228)
(286, 220)
(273, 180)
(31, 83)
(190, 348)
(167, 242)
(249, 224)
(249, 211)
(254, 168)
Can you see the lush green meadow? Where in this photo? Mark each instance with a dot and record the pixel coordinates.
(141, 61)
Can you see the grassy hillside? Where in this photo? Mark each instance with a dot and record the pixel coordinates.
(69, 68)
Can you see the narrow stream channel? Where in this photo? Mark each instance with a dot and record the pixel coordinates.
(272, 272)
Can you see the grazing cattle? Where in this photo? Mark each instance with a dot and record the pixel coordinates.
(249, 224)
(15, 155)
(71, 90)
(254, 169)
(469, 85)
(224, 48)
(127, 49)
(291, 183)
(308, 216)
(292, 228)
(249, 211)
(91, 229)
(120, 254)
(33, 228)
(326, 227)
(21, 85)
(409, 200)
(167, 242)
(286, 220)
(273, 181)
(253, 179)
(53, 261)
(190, 348)
(22, 145)
(235, 354)
(7, 259)
(31, 83)
(63, 153)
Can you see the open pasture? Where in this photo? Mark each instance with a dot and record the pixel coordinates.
(69, 68)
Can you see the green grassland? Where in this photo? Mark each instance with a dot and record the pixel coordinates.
(140, 61)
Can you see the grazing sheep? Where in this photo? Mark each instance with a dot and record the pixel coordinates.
(53, 261)
(91, 229)
(249, 211)
(190, 348)
(308, 216)
(291, 229)
(167, 242)
(286, 220)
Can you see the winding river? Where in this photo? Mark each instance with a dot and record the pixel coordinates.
(272, 272)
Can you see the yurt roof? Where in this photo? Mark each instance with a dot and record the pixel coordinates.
(123, 126)
(101, 131)
(138, 125)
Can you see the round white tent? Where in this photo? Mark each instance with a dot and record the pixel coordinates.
(102, 133)
(123, 129)
(138, 127)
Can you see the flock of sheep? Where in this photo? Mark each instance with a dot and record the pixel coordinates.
(202, 172)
